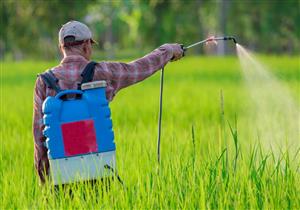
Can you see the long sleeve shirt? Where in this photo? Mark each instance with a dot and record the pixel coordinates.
(117, 75)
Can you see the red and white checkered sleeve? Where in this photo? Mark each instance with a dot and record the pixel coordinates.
(40, 151)
(125, 74)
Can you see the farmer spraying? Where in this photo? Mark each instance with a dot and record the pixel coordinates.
(75, 42)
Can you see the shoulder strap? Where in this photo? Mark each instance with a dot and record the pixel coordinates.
(50, 80)
(88, 73)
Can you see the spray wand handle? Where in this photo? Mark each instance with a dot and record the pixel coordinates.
(183, 53)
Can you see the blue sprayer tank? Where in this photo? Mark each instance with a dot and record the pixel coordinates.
(80, 139)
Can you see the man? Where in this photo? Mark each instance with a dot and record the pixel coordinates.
(75, 42)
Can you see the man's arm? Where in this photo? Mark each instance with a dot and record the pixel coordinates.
(41, 161)
(125, 74)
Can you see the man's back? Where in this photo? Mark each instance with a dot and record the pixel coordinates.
(68, 73)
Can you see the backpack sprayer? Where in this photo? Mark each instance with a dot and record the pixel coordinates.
(78, 127)
(225, 38)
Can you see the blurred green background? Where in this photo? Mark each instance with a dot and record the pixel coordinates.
(193, 175)
(130, 28)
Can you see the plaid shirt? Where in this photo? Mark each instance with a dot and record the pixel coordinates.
(117, 75)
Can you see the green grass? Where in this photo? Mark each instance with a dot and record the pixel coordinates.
(196, 171)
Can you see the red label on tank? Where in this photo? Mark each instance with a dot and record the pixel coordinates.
(79, 137)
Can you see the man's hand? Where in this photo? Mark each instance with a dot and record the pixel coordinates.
(177, 51)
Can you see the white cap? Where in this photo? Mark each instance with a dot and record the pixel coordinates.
(76, 29)
(93, 85)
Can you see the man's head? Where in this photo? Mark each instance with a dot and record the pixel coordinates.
(76, 38)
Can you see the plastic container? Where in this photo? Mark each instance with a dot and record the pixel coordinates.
(80, 139)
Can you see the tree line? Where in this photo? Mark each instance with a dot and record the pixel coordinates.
(29, 28)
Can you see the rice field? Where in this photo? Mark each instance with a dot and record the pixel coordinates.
(211, 154)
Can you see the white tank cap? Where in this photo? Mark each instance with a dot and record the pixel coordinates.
(92, 85)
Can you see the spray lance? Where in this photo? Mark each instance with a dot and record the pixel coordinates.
(224, 38)
(209, 40)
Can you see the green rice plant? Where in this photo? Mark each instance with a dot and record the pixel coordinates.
(199, 170)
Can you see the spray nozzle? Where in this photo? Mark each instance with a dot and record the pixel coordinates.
(230, 38)
(226, 38)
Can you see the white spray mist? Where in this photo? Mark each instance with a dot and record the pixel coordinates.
(276, 115)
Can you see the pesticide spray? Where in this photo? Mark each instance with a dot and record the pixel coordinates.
(276, 115)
